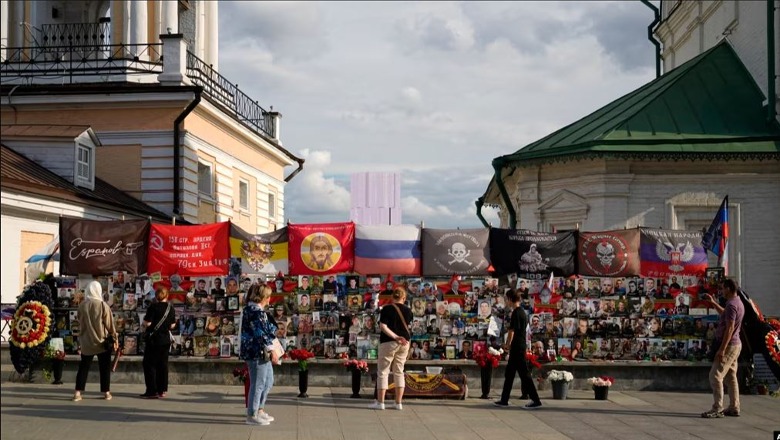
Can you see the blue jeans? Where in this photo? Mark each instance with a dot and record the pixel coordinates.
(261, 374)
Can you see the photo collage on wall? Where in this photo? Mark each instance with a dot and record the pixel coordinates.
(635, 318)
(575, 317)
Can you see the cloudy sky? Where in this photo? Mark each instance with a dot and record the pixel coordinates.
(433, 91)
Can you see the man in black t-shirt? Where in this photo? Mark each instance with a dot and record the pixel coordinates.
(517, 364)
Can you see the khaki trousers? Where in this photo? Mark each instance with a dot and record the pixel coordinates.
(727, 369)
(392, 356)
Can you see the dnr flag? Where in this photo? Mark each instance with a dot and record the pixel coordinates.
(259, 254)
(387, 249)
(664, 253)
(322, 248)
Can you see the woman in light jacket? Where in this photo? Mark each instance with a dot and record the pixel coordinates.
(96, 323)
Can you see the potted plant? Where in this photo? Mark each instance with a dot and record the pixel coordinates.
(560, 380)
(302, 355)
(56, 359)
(601, 386)
(487, 361)
(357, 368)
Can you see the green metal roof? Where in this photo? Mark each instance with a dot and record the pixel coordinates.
(709, 107)
(711, 104)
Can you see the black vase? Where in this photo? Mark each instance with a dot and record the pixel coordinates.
(602, 393)
(303, 383)
(486, 375)
(356, 376)
(56, 367)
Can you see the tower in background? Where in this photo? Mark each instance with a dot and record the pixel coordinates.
(375, 198)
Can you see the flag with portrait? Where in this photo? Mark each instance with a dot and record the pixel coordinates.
(321, 248)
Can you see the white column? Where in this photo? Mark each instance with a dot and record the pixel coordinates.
(127, 22)
(4, 29)
(170, 16)
(139, 26)
(17, 25)
(212, 34)
(175, 60)
(200, 29)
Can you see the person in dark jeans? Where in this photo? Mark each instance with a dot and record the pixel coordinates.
(96, 324)
(160, 318)
(515, 341)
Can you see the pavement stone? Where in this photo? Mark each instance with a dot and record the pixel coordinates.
(35, 411)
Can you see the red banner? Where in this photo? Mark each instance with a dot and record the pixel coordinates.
(609, 253)
(319, 249)
(197, 250)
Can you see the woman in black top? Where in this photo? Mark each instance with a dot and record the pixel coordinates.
(393, 348)
(158, 344)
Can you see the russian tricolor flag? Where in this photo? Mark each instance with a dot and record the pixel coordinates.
(387, 249)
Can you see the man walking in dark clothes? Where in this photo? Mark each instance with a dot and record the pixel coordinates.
(515, 341)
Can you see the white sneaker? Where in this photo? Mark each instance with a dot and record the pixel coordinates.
(398, 406)
(377, 405)
(265, 416)
(257, 421)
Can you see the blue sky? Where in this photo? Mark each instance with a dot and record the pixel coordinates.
(431, 90)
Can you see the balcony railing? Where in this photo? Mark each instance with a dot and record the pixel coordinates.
(227, 94)
(97, 62)
(76, 34)
(66, 63)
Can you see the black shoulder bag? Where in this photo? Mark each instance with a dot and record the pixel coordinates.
(109, 342)
(148, 334)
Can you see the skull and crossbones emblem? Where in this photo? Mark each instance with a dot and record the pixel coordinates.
(605, 252)
(459, 253)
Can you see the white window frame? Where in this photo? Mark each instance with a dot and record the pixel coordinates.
(210, 194)
(87, 164)
(243, 195)
(272, 206)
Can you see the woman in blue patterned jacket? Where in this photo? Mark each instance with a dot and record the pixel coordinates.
(258, 330)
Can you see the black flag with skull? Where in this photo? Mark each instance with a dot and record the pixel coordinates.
(455, 251)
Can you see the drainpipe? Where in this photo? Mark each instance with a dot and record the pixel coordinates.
(298, 170)
(177, 150)
(652, 39)
(771, 92)
(480, 203)
(498, 164)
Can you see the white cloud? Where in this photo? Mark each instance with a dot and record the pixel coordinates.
(434, 90)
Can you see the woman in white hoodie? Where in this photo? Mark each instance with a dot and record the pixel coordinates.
(96, 324)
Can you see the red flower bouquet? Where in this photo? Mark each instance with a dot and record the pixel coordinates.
(356, 365)
(301, 355)
(241, 373)
(487, 358)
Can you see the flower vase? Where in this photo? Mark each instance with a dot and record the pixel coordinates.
(486, 375)
(560, 389)
(303, 383)
(601, 392)
(246, 392)
(57, 366)
(356, 377)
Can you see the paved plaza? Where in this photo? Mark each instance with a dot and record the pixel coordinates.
(40, 411)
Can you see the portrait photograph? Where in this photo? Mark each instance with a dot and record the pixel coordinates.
(232, 303)
(220, 303)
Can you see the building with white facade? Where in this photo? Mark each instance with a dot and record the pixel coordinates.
(168, 129)
(666, 154)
